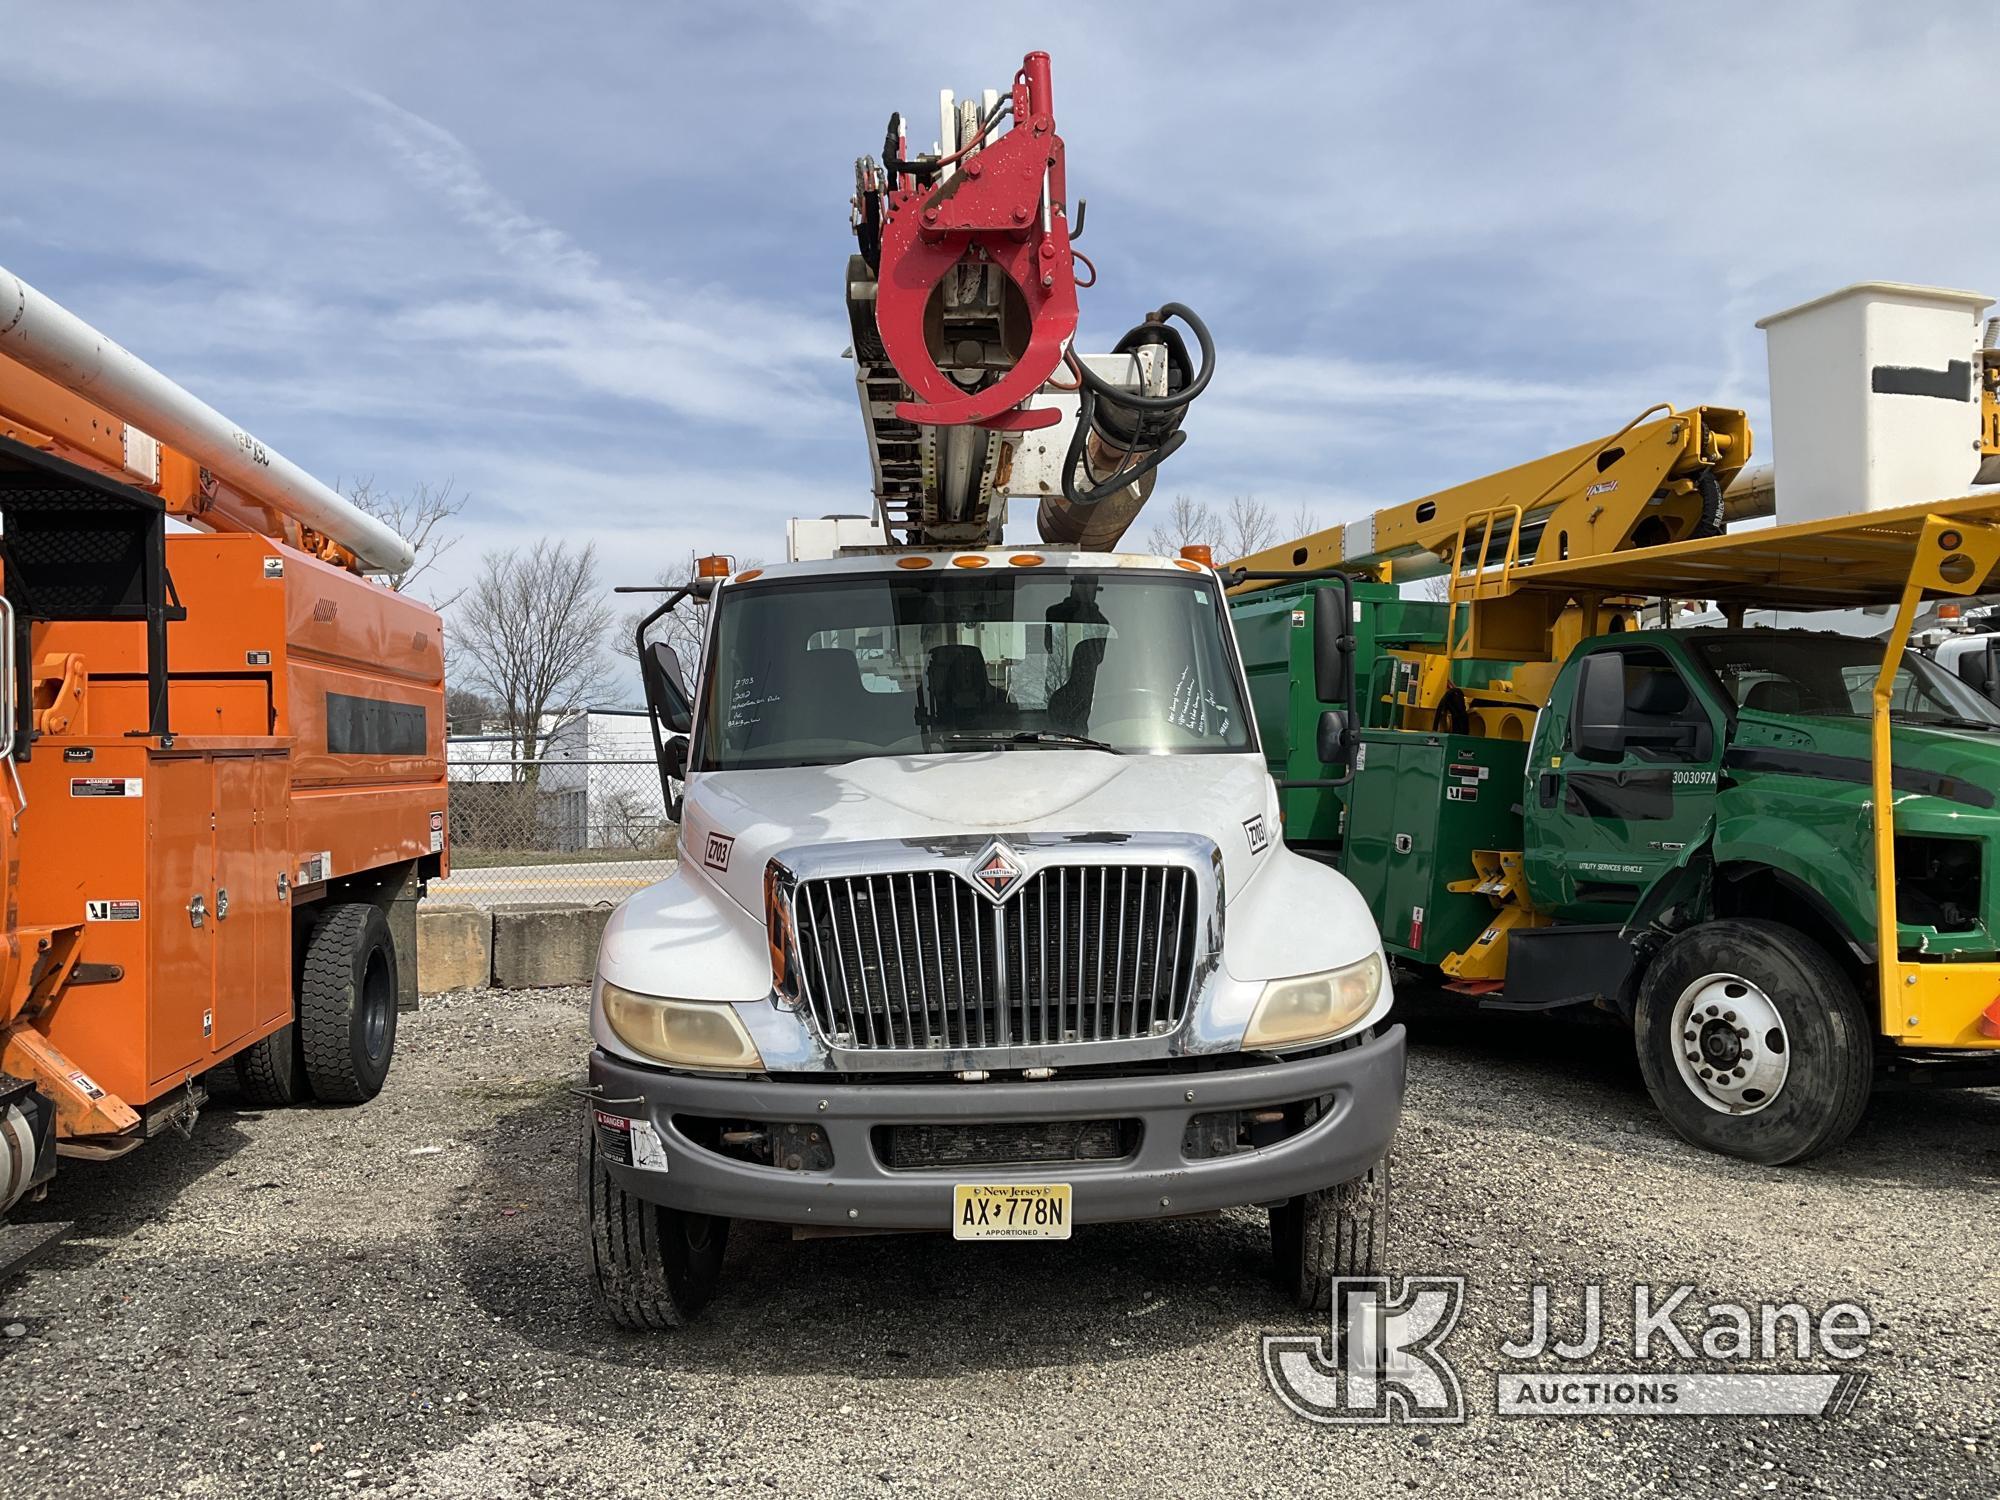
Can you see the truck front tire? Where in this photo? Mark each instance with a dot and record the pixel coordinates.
(347, 1003)
(1338, 1231)
(1753, 1042)
(650, 1268)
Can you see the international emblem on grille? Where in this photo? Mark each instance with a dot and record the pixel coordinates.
(997, 871)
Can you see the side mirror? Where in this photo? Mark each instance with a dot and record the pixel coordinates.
(666, 692)
(1598, 729)
(1339, 733)
(673, 767)
(1333, 643)
(1975, 669)
(667, 700)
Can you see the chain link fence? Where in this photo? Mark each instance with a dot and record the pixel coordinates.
(554, 830)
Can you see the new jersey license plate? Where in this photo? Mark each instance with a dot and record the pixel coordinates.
(1010, 1211)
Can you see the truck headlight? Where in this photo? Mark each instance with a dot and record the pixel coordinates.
(1313, 1007)
(686, 1033)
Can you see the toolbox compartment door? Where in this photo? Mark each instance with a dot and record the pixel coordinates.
(180, 859)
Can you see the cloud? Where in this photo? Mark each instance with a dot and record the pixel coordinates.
(705, 353)
(586, 259)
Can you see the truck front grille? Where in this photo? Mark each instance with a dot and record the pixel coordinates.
(1079, 953)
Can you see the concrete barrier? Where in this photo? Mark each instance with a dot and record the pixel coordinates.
(537, 946)
(454, 948)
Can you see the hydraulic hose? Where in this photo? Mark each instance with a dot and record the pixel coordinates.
(1145, 429)
(1710, 523)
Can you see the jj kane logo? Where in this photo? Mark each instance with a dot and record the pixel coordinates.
(997, 871)
(1382, 1359)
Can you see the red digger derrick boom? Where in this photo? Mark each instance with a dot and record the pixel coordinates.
(963, 302)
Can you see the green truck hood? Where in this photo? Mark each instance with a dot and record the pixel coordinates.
(1961, 765)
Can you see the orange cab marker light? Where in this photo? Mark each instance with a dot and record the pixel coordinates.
(913, 562)
(1195, 552)
(748, 574)
(714, 567)
(1192, 567)
(1026, 560)
(968, 562)
(1989, 1019)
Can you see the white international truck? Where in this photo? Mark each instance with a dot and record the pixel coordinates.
(982, 923)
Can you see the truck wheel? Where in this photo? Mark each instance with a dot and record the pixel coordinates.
(1753, 1042)
(347, 1003)
(1338, 1231)
(269, 1072)
(649, 1267)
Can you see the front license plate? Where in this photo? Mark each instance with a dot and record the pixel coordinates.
(1010, 1211)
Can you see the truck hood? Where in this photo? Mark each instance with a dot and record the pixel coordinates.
(1963, 764)
(735, 821)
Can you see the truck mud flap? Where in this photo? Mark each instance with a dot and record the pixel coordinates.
(1552, 967)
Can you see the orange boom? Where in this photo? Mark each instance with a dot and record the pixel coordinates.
(225, 775)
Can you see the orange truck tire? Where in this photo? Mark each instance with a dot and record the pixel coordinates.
(347, 1003)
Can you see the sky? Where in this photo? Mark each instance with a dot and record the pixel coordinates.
(584, 261)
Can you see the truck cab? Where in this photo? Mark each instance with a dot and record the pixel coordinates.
(981, 924)
(1680, 825)
(1750, 748)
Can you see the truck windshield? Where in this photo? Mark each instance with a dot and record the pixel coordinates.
(1831, 675)
(819, 671)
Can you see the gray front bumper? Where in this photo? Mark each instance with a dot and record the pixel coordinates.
(1365, 1084)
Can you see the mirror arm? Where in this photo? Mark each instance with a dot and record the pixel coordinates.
(669, 801)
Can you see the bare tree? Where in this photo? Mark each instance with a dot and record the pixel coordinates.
(467, 711)
(1187, 523)
(1248, 526)
(1305, 520)
(530, 636)
(422, 518)
(1244, 527)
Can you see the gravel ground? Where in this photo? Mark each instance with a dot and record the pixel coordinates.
(389, 1300)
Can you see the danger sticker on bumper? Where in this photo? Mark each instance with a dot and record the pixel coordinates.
(614, 1137)
(631, 1143)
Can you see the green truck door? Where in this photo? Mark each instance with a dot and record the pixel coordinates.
(1621, 777)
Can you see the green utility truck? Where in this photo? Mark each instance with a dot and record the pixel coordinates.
(1681, 830)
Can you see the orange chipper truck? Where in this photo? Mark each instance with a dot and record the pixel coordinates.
(222, 775)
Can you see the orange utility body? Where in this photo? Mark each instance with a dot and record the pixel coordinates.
(157, 882)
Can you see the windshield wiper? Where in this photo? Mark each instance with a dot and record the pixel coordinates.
(1025, 737)
(1941, 721)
